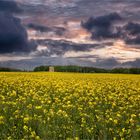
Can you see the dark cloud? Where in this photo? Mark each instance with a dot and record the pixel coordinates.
(107, 63)
(133, 40)
(38, 27)
(101, 21)
(133, 64)
(57, 30)
(13, 37)
(113, 63)
(9, 6)
(102, 26)
(131, 33)
(60, 47)
(132, 28)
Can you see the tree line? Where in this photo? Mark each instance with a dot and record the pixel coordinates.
(80, 69)
(3, 69)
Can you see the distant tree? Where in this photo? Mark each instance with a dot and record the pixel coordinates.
(3, 69)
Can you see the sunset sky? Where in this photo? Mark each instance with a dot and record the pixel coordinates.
(97, 33)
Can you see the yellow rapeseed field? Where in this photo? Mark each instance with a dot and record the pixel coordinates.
(68, 106)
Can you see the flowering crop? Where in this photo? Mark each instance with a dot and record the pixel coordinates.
(47, 106)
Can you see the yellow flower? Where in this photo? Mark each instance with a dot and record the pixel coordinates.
(1, 120)
(116, 121)
(123, 130)
(110, 119)
(38, 107)
(25, 128)
(26, 119)
(133, 115)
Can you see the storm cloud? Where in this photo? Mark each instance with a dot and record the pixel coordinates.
(9, 6)
(60, 47)
(13, 36)
(38, 27)
(105, 27)
(102, 27)
(109, 35)
(132, 28)
(131, 33)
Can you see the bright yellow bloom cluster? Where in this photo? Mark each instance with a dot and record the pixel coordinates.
(1, 120)
(47, 106)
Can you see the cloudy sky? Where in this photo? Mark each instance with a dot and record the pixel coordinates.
(98, 33)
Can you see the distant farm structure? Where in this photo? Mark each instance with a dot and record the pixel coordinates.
(51, 69)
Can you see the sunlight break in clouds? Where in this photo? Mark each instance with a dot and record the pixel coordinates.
(119, 51)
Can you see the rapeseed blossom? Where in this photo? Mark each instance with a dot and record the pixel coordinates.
(68, 106)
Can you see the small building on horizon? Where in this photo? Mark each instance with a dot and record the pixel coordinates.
(51, 69)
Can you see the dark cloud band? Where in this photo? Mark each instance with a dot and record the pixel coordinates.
(9, 6)
(102, 26)
(13, 36)
(60, 47)
(57, 30)
(131, 33)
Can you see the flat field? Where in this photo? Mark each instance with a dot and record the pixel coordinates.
(69, 106)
